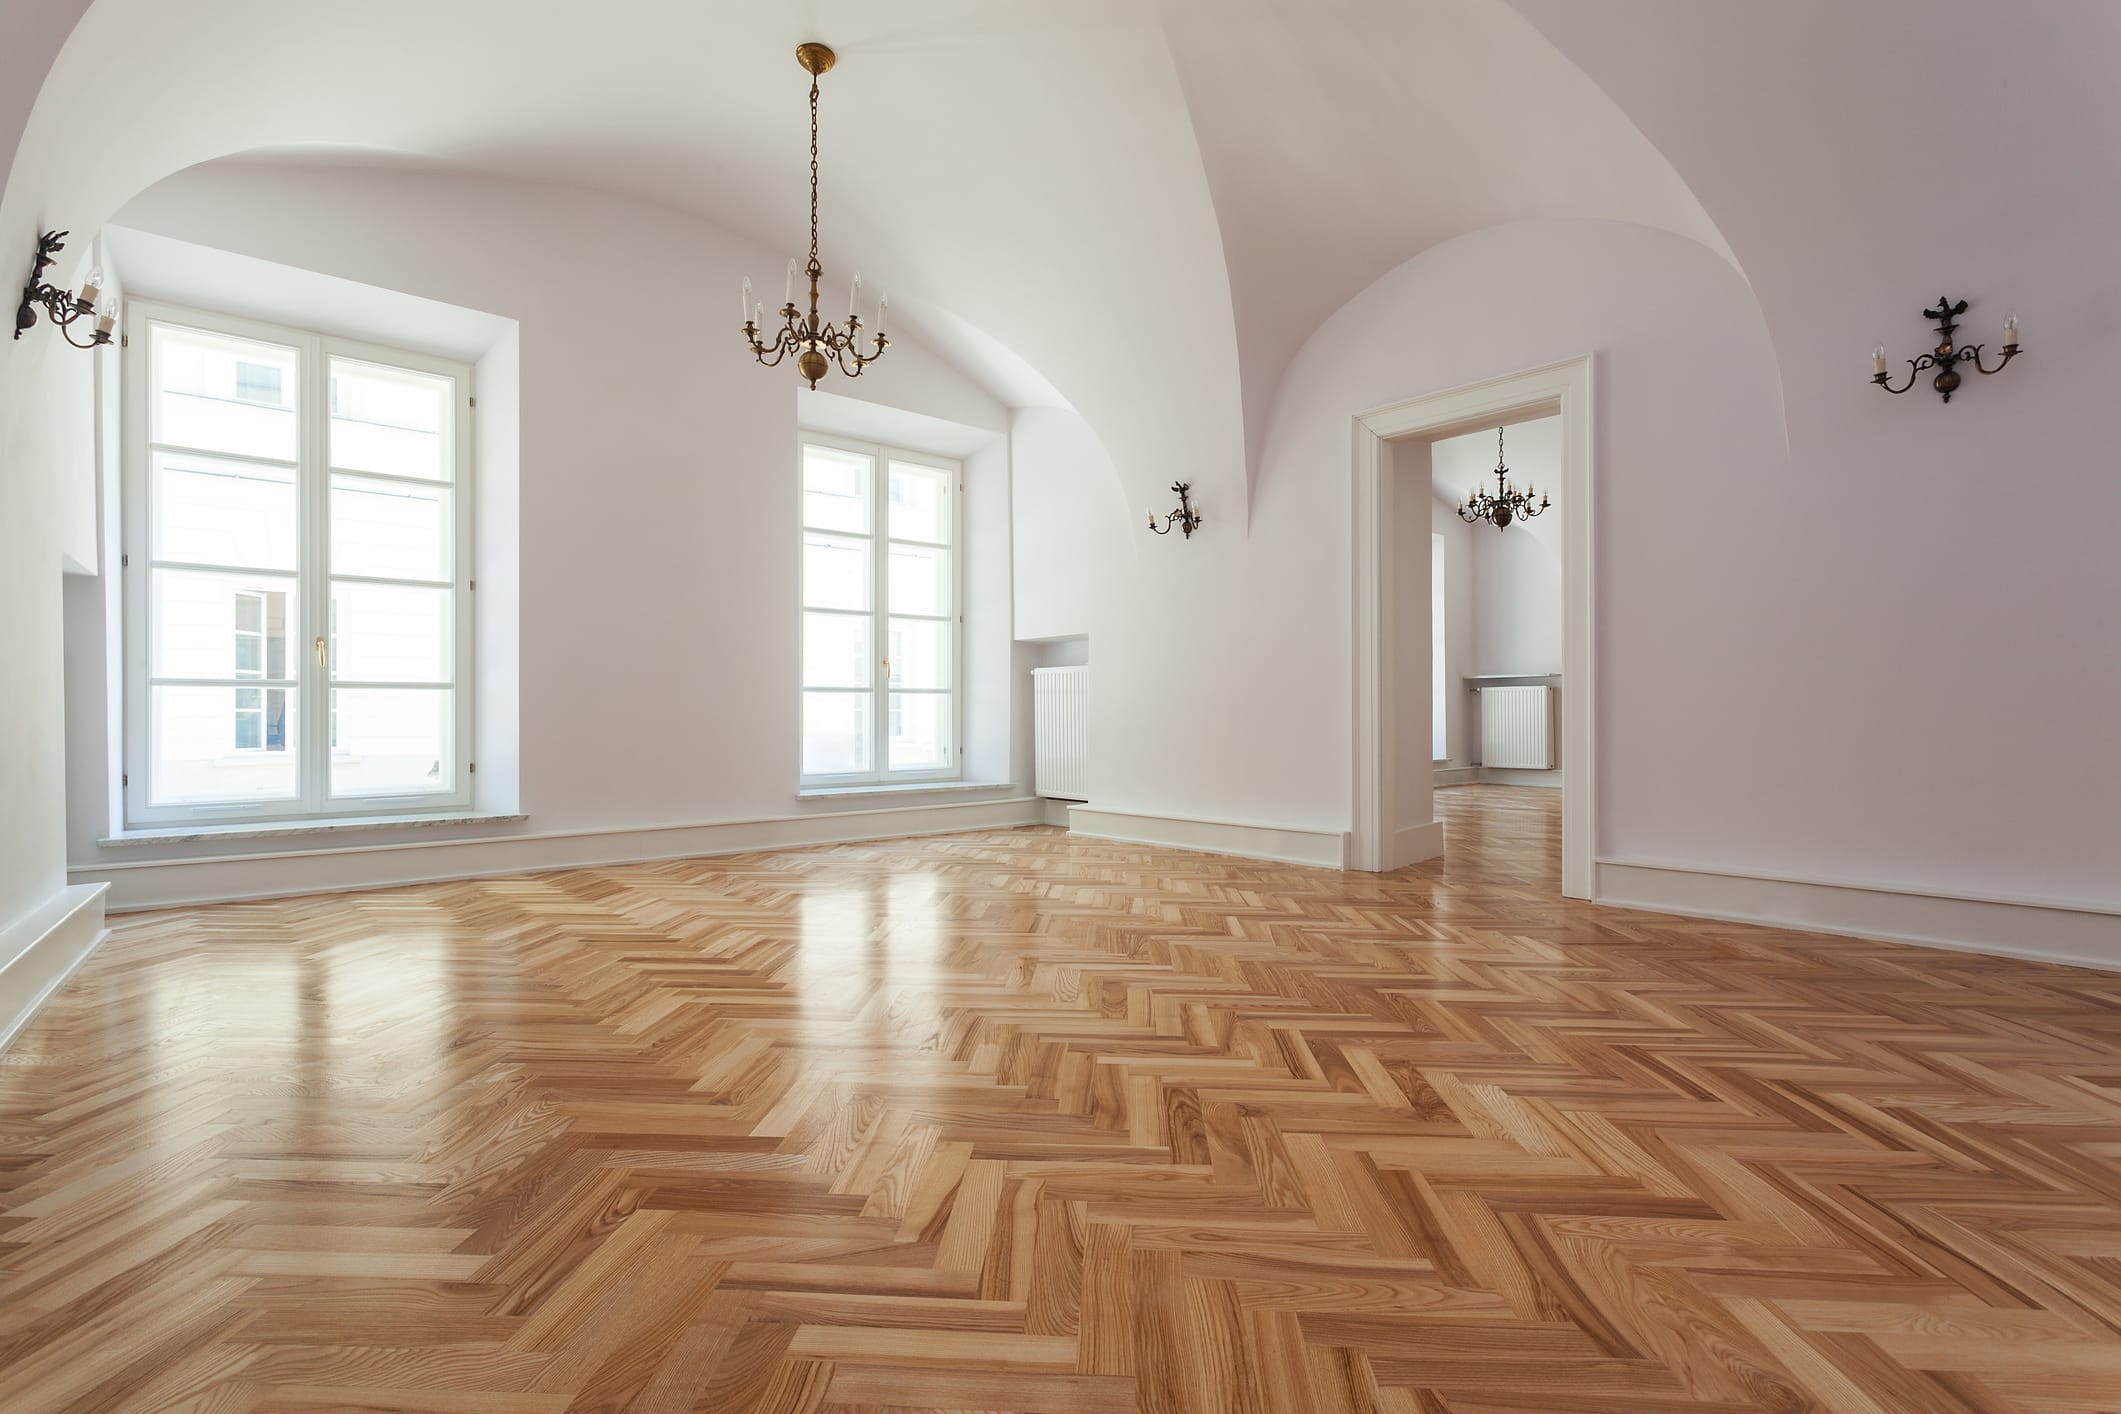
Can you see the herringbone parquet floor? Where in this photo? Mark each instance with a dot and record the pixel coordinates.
(1012, 1121)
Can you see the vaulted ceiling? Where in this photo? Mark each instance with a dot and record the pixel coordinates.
(1138, 208)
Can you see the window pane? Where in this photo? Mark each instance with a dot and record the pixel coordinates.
(198, 625)
(920, 731)
(390, 530)
(920, 502)
(389, 633)
(218, 745)
(835, 650)
(214, 512)
(391, 420)
(835, 572)
(920, 653)
(224, 394)
(835, 733)
(391, 741)
(835, 490)
(920, 580)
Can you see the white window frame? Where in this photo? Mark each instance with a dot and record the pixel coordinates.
(879, 613)
(313, 576)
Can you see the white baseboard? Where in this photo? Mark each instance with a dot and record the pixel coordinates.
(2077, 933)
(156, 883)
(1323, 849)
(1457, 775)
(1056, 811)
(1509, 776)
(38, 953)
(1414, 844)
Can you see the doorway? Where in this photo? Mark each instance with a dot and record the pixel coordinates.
(1395, 819)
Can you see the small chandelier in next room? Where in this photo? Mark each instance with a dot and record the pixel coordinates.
(1507, 504)
(816, 343)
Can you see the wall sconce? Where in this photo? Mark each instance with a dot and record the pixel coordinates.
(1186, 518)
(60, 306)
(1946, 358)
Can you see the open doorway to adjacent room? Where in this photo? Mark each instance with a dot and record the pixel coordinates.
(1495, 622)
(1473, 632)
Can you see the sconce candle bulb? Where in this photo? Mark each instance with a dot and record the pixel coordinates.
(1947, 356)
(61, 307)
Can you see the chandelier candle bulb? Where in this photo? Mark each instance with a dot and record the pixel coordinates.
(1878, 360)
(2010, 329)
(106, 319)
(90, 290)
(788, 290)
(854, 294)
(743, 301)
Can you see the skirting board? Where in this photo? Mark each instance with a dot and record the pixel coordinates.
(2081, 935)
(39, 953)
(156, 883)
(1506, 776)
(1323, 849)
(1414, 844)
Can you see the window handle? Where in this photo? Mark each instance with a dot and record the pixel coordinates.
(320, 650)
(887, 670)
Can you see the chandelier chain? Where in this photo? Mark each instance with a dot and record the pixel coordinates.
(813, 169)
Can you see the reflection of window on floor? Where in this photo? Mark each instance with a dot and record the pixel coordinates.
(260, 712)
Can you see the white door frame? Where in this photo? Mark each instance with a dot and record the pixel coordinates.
(1377, 837)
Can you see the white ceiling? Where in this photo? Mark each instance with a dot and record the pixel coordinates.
(1027, 177)
(1142, 208)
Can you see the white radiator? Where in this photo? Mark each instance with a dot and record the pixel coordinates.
(1061, 700)
(1517, 727)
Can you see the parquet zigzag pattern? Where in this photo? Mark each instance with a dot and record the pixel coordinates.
(1013, 1121)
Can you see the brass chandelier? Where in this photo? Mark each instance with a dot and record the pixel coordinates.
(816, 343)
(1507, 504)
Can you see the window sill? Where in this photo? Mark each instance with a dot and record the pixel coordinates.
(909, 788)
(270, 829)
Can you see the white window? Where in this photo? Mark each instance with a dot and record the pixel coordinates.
(881, 627)
(298, 570)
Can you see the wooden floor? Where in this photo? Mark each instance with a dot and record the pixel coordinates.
(1013, 1121)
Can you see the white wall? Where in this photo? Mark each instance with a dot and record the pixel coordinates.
(1068, 521)
(1461, 721)
(1515, 595)
(656, 501)
(1224, 663)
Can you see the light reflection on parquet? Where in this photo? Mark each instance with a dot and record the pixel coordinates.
(1011, 1121)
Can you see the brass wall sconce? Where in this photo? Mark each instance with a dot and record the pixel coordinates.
(1946, 357)
(1185, 517)
(63, 307)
